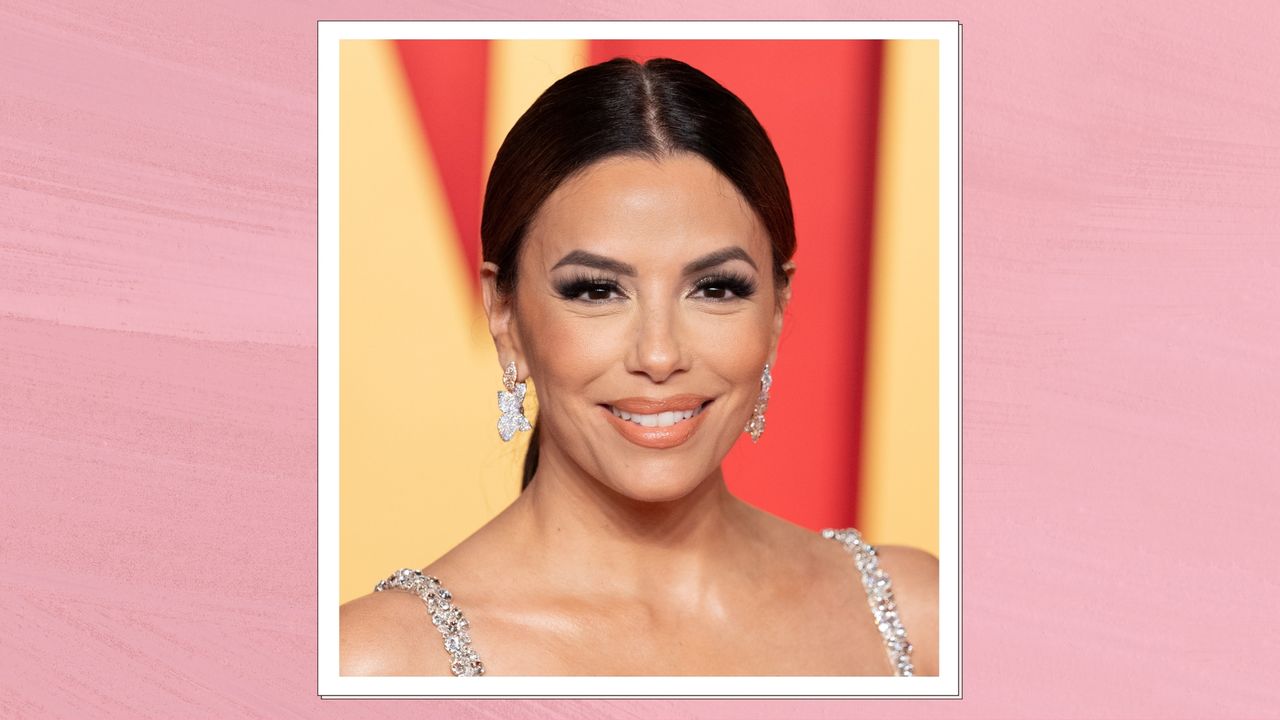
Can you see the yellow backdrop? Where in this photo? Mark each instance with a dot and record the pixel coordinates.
(397, 373)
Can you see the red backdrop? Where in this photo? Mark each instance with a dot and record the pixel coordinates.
(818, 100)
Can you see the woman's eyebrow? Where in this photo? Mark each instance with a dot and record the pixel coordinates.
(607, 264)
(723, 255)
(599, 262)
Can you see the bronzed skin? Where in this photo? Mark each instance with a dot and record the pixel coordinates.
(627, 560)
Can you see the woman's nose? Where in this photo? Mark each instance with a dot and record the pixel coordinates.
(659, 350)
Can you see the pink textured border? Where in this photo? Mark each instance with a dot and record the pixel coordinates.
(157, 349)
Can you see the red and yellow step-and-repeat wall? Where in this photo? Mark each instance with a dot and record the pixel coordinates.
(852, 438)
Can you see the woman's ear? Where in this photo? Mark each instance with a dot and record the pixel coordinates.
(784, 297)
(499, 308)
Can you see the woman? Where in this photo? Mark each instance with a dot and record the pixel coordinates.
(637, 234)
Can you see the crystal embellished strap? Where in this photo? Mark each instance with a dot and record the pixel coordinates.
(880, 596)
(447, 618)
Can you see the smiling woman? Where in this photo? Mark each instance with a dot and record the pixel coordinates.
(637, 234)
(648, 268)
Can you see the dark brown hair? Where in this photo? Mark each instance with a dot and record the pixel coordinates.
(622, 107)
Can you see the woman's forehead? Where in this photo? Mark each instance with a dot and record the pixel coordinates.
(668, 208)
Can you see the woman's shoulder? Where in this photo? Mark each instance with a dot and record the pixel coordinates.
(911, 566)
(826, 565)
(388, 633)
(913, 575)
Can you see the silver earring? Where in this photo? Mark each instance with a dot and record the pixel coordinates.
(511, 403)
(755, 426)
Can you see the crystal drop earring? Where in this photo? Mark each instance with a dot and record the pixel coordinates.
(755, 426)
(511, 404)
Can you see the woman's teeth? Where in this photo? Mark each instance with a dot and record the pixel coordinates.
(662, 419)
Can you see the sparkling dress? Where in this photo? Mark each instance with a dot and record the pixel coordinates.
(465, 661)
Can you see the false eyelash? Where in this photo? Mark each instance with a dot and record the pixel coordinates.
(740, 285)
(572, 288)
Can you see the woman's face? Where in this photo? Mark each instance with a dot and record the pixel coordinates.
(645, 309)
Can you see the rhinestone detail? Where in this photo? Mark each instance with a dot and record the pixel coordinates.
(464, 662)
(511, 405)
(755, 426)
(879, 596)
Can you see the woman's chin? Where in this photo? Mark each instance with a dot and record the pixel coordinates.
(661, 488)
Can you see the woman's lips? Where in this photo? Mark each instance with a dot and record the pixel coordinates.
(658, 424)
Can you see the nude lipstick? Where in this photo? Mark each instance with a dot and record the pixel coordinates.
(657, 423)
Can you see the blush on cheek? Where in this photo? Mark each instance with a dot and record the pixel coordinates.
(735, 349)
(568, 352)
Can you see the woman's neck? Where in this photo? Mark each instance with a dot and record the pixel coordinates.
(599, 539)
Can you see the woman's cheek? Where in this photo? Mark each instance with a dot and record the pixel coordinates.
(570, 348)
(733, 340)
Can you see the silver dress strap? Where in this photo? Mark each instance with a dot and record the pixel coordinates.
(452, 625)
(879, 596)
(447, 618)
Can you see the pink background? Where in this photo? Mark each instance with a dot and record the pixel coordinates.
(158, 348)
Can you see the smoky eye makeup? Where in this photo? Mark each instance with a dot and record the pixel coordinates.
(725, 285)
(588, 288)
(721, 286)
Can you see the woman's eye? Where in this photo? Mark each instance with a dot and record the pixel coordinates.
(595, 291)
(725, 288)
(598, 292)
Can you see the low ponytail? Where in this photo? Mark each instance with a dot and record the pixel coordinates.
(530, 459)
